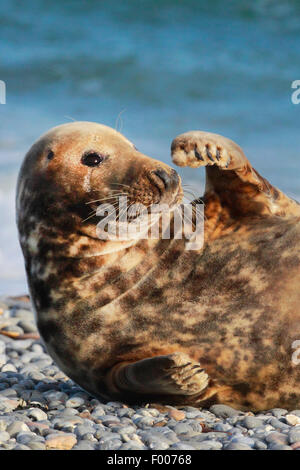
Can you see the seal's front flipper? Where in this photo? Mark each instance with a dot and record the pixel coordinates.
(230, 176)
(173, 374)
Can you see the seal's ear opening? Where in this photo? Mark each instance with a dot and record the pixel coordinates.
(92, 159)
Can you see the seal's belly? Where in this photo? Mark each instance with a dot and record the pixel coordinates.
(234, 308)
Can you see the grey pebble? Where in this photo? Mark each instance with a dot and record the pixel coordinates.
(3, 424)
(294, 435)
(4, 436)
(124, 429)
(14, 329)
(152, 439)
(278, 424)
(182, 446)
(81, 430)
(26, 437)
(84, 445)
(37, 414)
(222, 427)
(278, 412)
(279, 447)
(115, 444)
(243, 440)
(250, 422)
(260, 445)
(237, 446)
(3, 359)
(128, 412)
(224, 411)
(206, 445)
(36, 445)
(27, 326)
(183, 428)
(206, 436)
(2, 347)
(8, 392)
(19, 345)
(144, 421)
(277, 438)
(17, 426)
(8, 368)
(132, 445)
(21, 447)
(74, 402)
(108, 436)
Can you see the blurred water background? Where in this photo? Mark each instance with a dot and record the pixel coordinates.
(153, 69)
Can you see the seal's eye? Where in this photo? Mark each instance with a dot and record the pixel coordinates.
(92, 159)
(50, 155)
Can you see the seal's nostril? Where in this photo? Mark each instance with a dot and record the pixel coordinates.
(168, 179)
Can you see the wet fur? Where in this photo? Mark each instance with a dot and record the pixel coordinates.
(233, 306)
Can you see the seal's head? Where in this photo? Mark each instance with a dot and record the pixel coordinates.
(72, 168)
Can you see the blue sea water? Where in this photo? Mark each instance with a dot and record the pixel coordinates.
(152, 69)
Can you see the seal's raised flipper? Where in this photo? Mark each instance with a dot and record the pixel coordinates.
(230, 176)
(173, 374)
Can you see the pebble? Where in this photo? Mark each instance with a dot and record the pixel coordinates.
(278, 424)
(206, 445)
(293, 420)
(74, 402)
(21, 447)
(132, 445)
(37, 414)
(35, 445)
(277, 438)
(224, 411)
(294, 436)
(176, 414)
(60, 441)
(4, 436)
(115, 444)
(17, 426)
(250, 422)
(279, 447)
(278, 412)
(237, 446)
(260, 445)
(183, 428)
(84, 445)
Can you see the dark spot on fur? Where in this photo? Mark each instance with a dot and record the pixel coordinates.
(49, 329)
(243, 388)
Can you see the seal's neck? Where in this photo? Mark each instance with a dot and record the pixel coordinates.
(78, 262)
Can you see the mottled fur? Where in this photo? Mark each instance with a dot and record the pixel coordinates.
(231, 308)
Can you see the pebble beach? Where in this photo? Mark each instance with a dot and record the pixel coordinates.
(42, 409)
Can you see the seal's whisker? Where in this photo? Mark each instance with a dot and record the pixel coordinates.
(120, 184)
(124, 211)
(194, 200)
(94, 212)
(195, 208)
(191, 193)
(119, 119)
(190, 190)
(92, 215)
(70, 118)
(114, 196)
